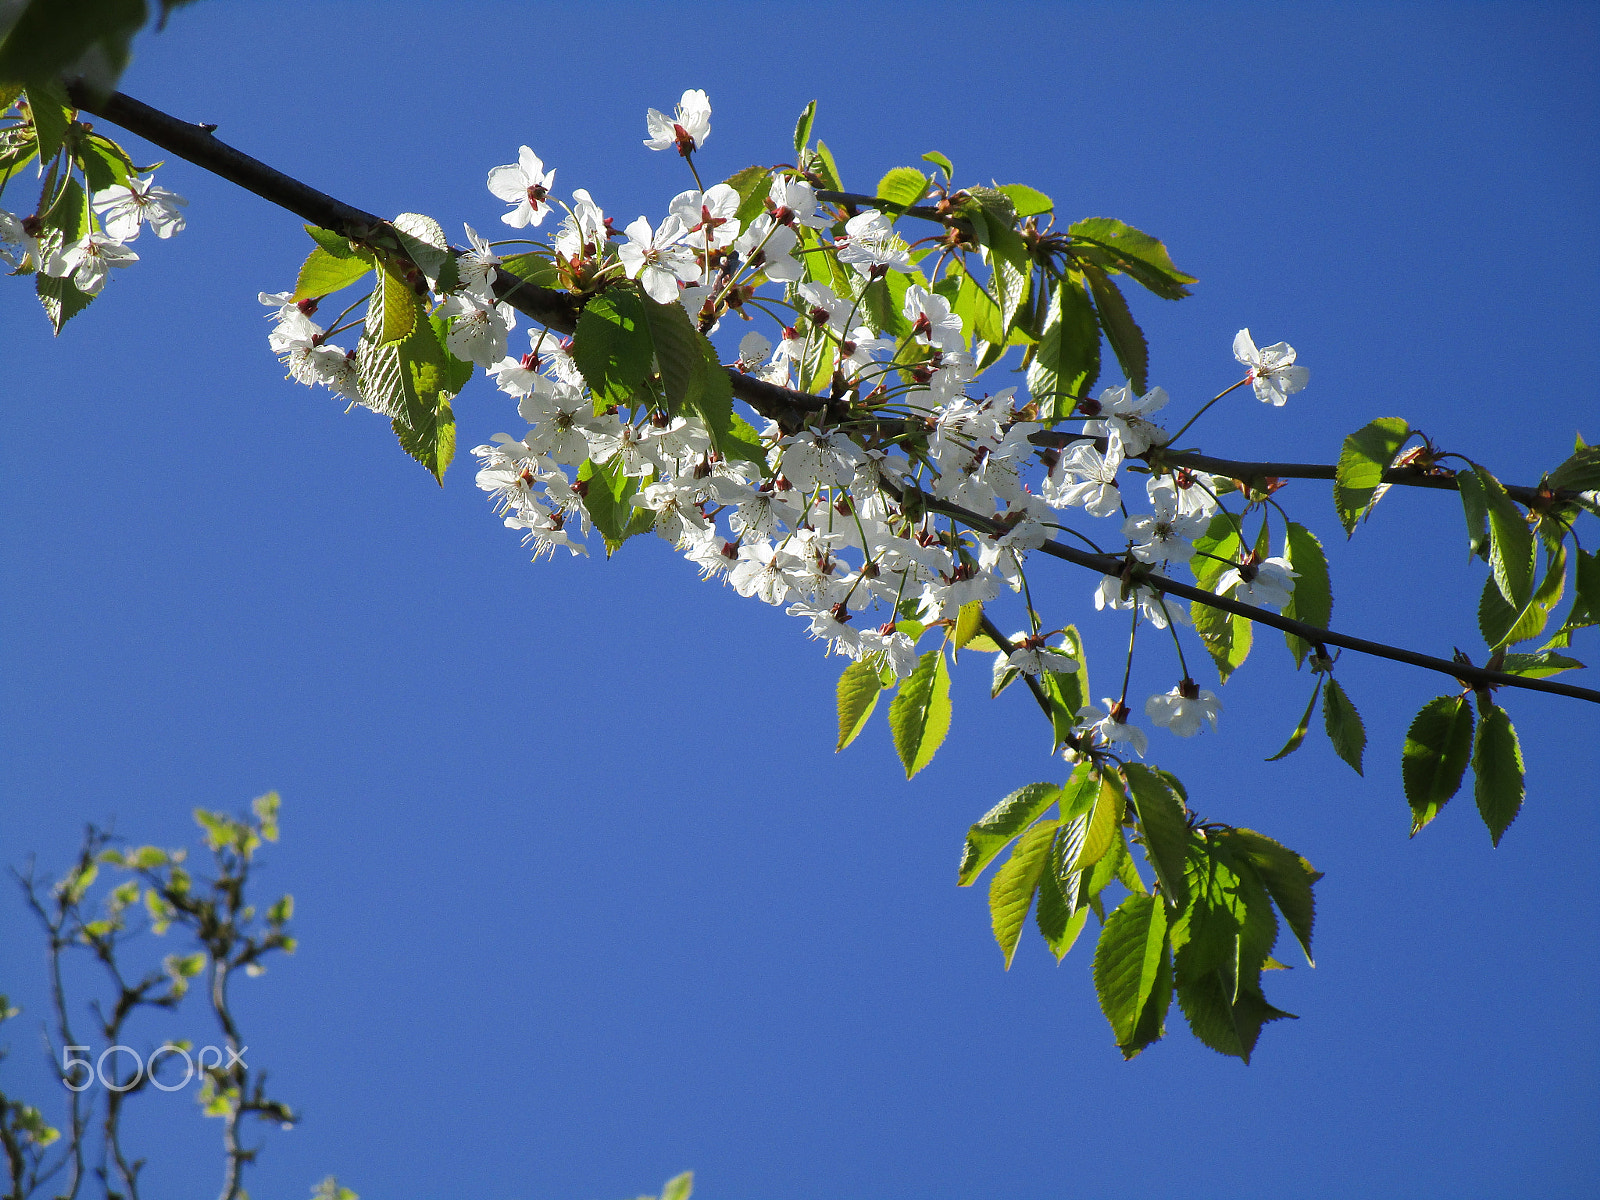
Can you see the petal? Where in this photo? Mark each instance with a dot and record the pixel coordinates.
(508, 183)
(1244, 349)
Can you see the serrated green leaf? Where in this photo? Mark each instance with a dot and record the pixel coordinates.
(1226, 636)
(1585, 610)
(532, 268)
(1503, 625)
(1343, 723)
(802, 127)
(1014, 884)
(822, 163)
(1437, 748)
(49, 38)
(105, 164)
(1497, 771)
(1358, 479)
(1230, 1027)
(1219, 541)
(1299, 734)
(613, 347)
(1121, 330)
(413, 381)
(903, 186)
(857, 696)
(1475, 510)
(941, 162)
(1165, 828)
(335, 244)
(1005, 821)
(61, 298)
(609, 499)
(968, 621)
(322, 273)
(48, 108)
(678, 1187)
(1510, 542)
(1538, 666)
(1066, 362)
(392, 311)
(980, 315)
(1012, 273)
(1121, 247)
(919, 716)
(1287, 876)
(753, 185)
(1028, 202)
(1101, 827)
(1060, 918)
(423, 241)
(1312, 598)
(1580, 473)
(1133, 973)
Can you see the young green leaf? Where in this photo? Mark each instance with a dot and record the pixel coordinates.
(323, 273)
(919, 716)
(413, 381)
(1343, 724)
(1497, 770)
(1028, 202)
(1133, 973)
(105, 163)
(857, 697)
(1121, 247)
(613, 347)
(1226, 636)
(1434, 759)
(1165, 826)
(1299, 734)
(995, 830)
(1229, 1025)
(1122, 331)
(609, 499)
(392, 311)
(50, 110)
(802, 128)
(1061, 919)
(903, 186)
(942, 163)
(1358, 479)
(1287, 877)
(1066, 361)
(1475, 509)
(1312, 598)
(1503, 625)
(752, 184)
(1538, 666)
(1510, 542)
(1104, 820)
(968, 621)
(532, 268)
(1012, 888)
(1580, 473)
(822, 163)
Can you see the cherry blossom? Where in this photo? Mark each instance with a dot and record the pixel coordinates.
(1273, 374)
(524, 185)
(687, 128)
(123, 208)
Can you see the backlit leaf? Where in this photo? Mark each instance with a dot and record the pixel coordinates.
(919, 716)
(1497, 771)
(1358, 479)
(1437, 748)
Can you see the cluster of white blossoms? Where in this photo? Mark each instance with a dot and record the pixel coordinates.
(122, 210)
(835, 526)
(847, 524)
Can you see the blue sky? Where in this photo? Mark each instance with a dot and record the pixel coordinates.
(584, 896)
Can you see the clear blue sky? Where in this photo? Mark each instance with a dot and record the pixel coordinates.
(585, 897)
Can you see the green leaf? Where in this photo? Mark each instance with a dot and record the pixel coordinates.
(613, 347)
(980, 315)
(903, 186)
(1343, 724)
(1312, 598)
(858, 696)
(1434, 759)
(1228, 1026)
(1510, 542)
(802, 127)
(1497, 770)
(1101, 827)
(1066, 361)
(335, 244)
(1226, 636)
(1538, 666)
(1299, 734)
(678, 1187)
(1028, 202)
(61, 298)
(323, 273)
(942, 163)
(105, 163)
(1061, 919)
(1008, 255)
(1220, 540)
(1475, 508)
(1358, 479)
(1122, 331)
(1133, 973)
(822, 163)
(609, 499)
(1165, 826)
(412, 381)
(48, 107)
(1580, 473)
(753, 184)
(1012, 888)
(1585, 609)
(996, 829)
(1120, 247)
(919, 716)
(50, 37)
(532, 268)
(423, 241)
(392, 311)
(1067, 691)
(1287, 876)
(1503, 625)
